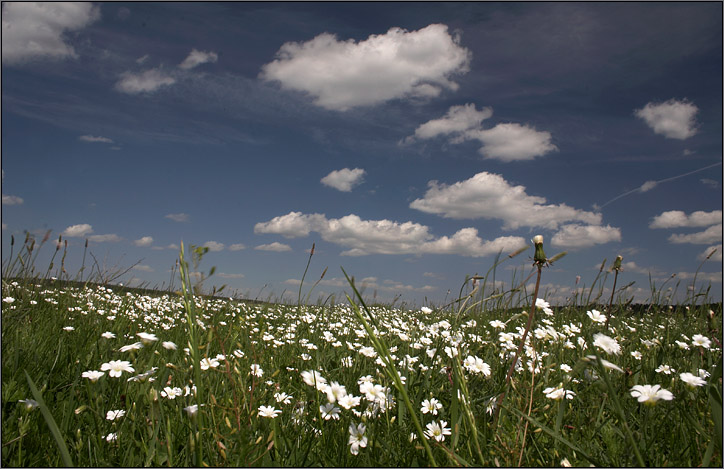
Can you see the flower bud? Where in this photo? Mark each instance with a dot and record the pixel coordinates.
(540, 256)
(617, 263)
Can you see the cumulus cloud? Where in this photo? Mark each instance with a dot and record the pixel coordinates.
(344, 179)
(12, 200)
(178, 217)
(196, 58)
(672, 118)
(368, 283)
(229, 276)
(713, 251)
(709, 236)
(580, 236)
(214, 246)
(144, 241)
(364, 237)
(77, 230)
(505, 142)
(36, 30)
(275, 247)
(144, 82)
(679, 219)
(340, 75)
(237, 247)
(489, 196)
(457, 120)
(143, 268)
(106, 238)
(92, 139)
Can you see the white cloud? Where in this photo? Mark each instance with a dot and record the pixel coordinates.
(397, 64)
(512, 142)
(368, 283)
(229, 276)
(708, 236)
(196, 58)
(457, 120)
(275, 247)
(679, 219)
(77, 230)
(672, 119)
(344, 179)
(144, 82)
(92, 139)
(237, 247)
(648, 185)
(179, 217)
(384, 236)
(716, 256)
(143, 268)
(505, 142)
(11, 200)
(578, 236)
(489, 196)
(106, 238)
(144, 241)
(35, 30)
(214, 246)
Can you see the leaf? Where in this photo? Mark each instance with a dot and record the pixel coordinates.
(50, 421)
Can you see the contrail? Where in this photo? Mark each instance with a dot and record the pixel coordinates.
(648, 185)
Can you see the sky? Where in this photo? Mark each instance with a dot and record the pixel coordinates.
(410, 143)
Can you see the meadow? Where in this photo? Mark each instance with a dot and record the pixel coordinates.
(101, 375)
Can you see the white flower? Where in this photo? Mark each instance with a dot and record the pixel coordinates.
(283, 397)
(476, 365)
(348, 401)
(116, 367)
(315, 379)
(565, 368)
(169, 345)
(256, 370)
(171, 393)
(111, 437)
(30, 404)
(607, 344)
(437, 430)
(426, 310)
(207, 363)
(239, 353)
(596, 316)
(115, 414)
(648, 394)
(134, 346)
(636, 354)
(666, 369)
(92, 375)
(497, 324)
(540, 303)
(192, 410)
(357, 438)
(69, 328)
(699, 340)
(268, 411)
(430, 406)
(558, 393)
(108, 335)
(329, 411)
(692, 380)
(146, 338)
(335, 391)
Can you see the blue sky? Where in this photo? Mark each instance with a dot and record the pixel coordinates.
(411, 142)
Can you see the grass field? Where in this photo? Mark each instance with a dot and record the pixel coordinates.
(94, 376)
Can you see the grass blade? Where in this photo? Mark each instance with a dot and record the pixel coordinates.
(50, 421)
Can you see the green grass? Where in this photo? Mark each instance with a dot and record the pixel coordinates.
(601, 425)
